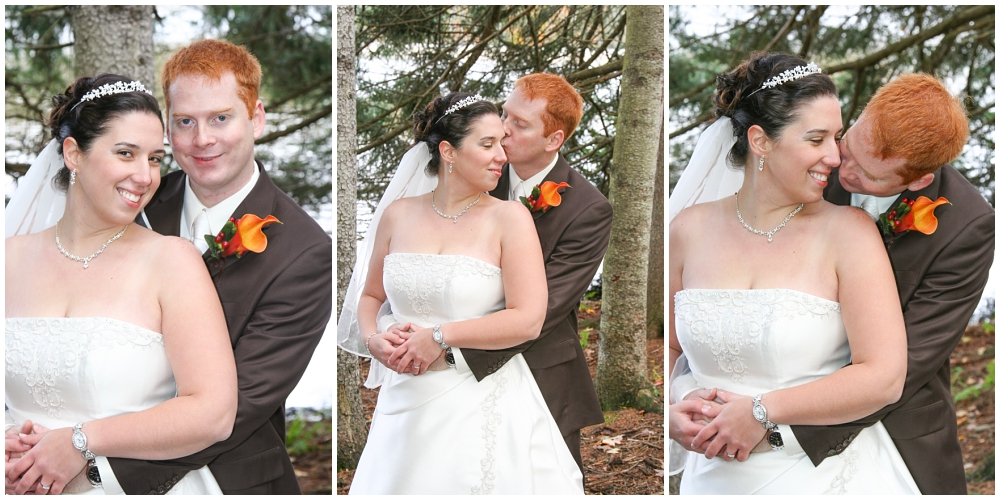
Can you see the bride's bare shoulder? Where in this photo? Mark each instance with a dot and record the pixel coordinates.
(697, 217)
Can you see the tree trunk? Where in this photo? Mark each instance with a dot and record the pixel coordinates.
(351, 432)
(621, 363)
(655, 274)
(114, 39)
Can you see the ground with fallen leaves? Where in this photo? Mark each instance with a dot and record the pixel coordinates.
(314, 464)
(623, 456)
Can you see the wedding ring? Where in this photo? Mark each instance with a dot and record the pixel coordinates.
(730, 455)
(45, 487)
(416, 367)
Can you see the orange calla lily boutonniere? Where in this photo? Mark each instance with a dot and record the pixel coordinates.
(544, 196)
(912, 215)
(239, 236)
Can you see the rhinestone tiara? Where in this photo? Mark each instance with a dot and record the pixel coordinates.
(472, 99)
(112, 89)
(788, 76)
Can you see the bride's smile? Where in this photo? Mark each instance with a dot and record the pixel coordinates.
(801, 160)
(479, 160)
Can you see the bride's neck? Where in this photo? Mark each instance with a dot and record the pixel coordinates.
(81, 234)
(449, 197)
(762, 206)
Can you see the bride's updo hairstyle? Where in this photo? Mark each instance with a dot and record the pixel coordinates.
(434, 126)
(740, 96)
(85, 121)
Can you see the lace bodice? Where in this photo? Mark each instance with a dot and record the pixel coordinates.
(428, 289)
(757, 340)
(60, 371)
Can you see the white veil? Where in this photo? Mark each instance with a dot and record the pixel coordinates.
(707, 178)
(409, 180)
(36, 204)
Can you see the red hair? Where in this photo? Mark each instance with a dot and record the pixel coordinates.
(212, 59)
(915, 117)
(564, 106)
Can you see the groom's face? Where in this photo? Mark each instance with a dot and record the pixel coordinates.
(525, 142)
(863, 172)
(212, 135)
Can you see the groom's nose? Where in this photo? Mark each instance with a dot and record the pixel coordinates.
(203, 136)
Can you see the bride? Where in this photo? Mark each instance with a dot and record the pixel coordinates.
(458, 269)
(783, 302)
(115, 338)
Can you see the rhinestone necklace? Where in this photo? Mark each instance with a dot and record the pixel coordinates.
(454, 218)
(769, 234)
(86, 260)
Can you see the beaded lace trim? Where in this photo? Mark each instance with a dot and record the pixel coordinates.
(424, 276)
(43, 350)
(839, 483)
(732, 320)
(493, 419)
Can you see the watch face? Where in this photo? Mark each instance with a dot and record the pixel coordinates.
(94, 475)
(79, 440)
(775, 440)
(437, 335)
(759, 413)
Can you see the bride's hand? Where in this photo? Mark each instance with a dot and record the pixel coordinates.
(12, 440)
(52, 461)
(420, 352)
(733, 428)
(683, 426)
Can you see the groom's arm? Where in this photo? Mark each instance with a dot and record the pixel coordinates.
(568, 272)
(935, 317)
(271, 356)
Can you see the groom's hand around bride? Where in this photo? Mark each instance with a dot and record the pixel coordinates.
(733, 427)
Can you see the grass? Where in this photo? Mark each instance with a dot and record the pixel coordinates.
(303, 430)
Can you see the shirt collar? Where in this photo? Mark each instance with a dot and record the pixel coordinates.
(882, 202)
(220, 213)
(534, 180)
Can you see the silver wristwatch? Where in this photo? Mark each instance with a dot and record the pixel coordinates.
(760, 413)
(439, 338)
(80, 442)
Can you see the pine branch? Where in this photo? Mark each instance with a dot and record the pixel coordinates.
(704, 117)
(313, 118)
(602, 70)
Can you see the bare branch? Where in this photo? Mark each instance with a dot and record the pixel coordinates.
(610, 67)
(388, 136)
(313, 118)
(704, 117)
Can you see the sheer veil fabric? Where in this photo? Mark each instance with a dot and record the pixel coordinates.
(36, 204)
(410, 179)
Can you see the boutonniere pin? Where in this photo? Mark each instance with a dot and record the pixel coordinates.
(544, 196)
(912, 215)
(239, 236)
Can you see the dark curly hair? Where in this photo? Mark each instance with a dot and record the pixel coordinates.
(89, 120)
(773, 108)
(433, 126)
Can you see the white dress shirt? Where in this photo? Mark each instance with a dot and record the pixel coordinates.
(519, 188)
(217, 215)
(883, 203)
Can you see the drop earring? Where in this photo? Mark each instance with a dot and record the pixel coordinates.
(72, 177)
(760, 166)
(450, 166)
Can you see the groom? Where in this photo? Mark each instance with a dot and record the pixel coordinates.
(899, 148)
(539, 116)
(277, 302)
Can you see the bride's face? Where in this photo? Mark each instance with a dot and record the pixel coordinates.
(480, 159)
(805, 155)
(120, 173)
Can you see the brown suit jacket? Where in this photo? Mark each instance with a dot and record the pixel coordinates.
(277, 304)
(940, 278)
(574, 237)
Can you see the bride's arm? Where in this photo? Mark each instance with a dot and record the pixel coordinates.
(874, 323)
(525, 294)
(198, 347)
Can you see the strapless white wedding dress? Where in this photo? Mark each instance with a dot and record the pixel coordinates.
(754, 341)
(63, 371)
(443, 432)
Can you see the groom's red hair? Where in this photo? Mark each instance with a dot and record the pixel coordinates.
(564, 105)
(916, 118)
(212, 59)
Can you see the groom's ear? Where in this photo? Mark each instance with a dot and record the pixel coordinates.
(555, 140)
(921, 183)
(258, 119)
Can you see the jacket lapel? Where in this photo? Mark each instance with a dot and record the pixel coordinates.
(164, 212)
(260, 202)
(502, 191)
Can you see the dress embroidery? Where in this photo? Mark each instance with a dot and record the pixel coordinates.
(493, 420)
(839, 483)
(41, 350)
(424, 276)
(731, 320)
